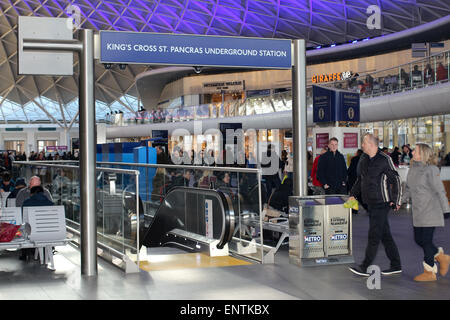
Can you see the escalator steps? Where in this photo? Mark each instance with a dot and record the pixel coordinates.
(188, 261)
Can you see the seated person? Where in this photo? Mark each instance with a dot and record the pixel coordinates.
(37, 199)
(24, 193)
(7, 184)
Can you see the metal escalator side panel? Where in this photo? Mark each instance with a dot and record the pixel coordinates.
(178, 202)
(228, 220)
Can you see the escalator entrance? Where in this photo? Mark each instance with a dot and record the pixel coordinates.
(191, 229)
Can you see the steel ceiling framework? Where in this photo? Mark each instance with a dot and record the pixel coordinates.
(55, 99)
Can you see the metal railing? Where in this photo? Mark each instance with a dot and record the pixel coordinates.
(420, 73)
(62, 181)
(245, 179)
(244, 188)
(431, 70)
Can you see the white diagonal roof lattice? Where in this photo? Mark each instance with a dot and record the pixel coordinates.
(320, 22)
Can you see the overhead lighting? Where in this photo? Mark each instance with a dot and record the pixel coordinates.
(365, 39)
(333, 45)
(318, 47)
(354, 41)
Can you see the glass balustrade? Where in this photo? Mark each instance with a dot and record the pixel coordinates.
(119, 220)
(241, 185)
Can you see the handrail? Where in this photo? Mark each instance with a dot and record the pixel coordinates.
(99, 244)
(391, 68)
(104, 236)
(190, 167)
(46, 164)
(408, 63)
(227, 210)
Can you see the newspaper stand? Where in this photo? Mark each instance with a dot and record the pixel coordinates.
(320, 230)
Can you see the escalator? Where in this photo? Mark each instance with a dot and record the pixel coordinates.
(190, 218)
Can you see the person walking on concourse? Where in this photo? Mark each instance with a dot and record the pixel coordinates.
(332, 170)
(378, 185)
(429, 205)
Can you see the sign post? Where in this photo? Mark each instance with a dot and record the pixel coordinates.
(85, 48)
(299, 118)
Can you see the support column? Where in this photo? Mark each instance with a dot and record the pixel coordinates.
(299, 118)
(88, 227)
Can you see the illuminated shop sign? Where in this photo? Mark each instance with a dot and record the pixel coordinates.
(331, 77)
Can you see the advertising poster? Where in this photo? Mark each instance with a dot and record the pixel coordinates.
(322, 140)
(350, 140)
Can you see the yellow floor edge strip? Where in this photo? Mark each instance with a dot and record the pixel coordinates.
(188, 261)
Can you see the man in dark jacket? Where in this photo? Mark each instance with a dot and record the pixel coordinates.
(379, 186)
(25, 193)
(37, 199)
(332, 170)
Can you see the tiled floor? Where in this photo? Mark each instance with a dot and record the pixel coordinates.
(20, 280)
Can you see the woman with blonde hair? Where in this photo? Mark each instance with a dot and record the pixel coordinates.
(429, 204)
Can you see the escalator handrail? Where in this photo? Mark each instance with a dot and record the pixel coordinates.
(226, 206)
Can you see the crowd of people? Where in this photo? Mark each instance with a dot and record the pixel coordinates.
(141, 116)
(396, 81)
(24, 194)
(371, 178)
(378, 186)
(242, 187)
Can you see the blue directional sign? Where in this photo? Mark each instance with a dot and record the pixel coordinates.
(349, 106)
(194, 50)
(324, 104)
(331, 105)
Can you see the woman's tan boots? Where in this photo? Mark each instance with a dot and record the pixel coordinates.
(429, 273)
(443, 260)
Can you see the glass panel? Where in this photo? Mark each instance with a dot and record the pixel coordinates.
(116, 208)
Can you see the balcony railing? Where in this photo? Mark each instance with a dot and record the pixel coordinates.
(420, 73)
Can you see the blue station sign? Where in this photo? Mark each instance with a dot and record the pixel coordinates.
(194, 50)
(331, 105)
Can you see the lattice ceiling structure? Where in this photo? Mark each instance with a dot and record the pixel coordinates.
(55, 99)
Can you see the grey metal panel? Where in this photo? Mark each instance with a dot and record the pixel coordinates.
(313, 228)
(338, 234)
(44, 63)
